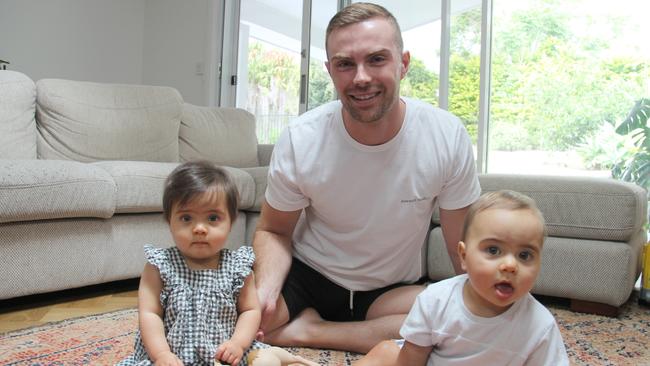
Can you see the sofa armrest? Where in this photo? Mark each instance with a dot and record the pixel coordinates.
(264, 153)
(579, 207)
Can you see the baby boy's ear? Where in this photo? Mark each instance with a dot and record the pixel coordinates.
(461, 254)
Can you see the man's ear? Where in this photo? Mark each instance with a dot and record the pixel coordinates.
(461, 254)
(327, 66)
(405, 62)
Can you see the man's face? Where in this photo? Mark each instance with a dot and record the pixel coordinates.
(366, 68)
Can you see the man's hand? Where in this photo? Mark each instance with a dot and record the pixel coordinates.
(268, 302)
(229, 352)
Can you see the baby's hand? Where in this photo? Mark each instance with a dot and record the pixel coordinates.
(229, 352)
(168, 359)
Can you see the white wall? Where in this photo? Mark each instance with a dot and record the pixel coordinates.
(94, 40)
(153, 42)
(176, 44)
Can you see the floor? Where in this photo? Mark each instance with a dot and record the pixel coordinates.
(31, 311)
(35, 310)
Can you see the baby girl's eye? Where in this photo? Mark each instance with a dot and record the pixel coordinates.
(186, 218)
(213, 217)
(493, 250)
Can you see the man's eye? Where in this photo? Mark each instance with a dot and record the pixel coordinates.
(493, 250)
(377, 59)
(213, 218)
(344, 64)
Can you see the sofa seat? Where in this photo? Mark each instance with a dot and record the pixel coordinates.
(138, 184)
(51, 189)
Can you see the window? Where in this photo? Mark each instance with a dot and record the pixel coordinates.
(321, 89)
(269, 65)
(564, 73)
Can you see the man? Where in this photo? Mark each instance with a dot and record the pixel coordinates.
(350, 194)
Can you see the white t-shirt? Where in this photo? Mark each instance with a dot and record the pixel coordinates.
(367, 209)
(526, 334)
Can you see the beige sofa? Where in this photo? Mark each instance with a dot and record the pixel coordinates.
(82, 166)
(595, 237)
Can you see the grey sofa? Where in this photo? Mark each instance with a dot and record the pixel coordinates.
(595, 237)
(82, 166)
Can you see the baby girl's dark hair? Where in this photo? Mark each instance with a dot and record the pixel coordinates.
(196, 178)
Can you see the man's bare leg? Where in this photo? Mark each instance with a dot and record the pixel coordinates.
(383, 321)
(383, 354)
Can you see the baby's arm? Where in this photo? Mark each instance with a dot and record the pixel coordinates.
(248, 322)
(412, 354)
(388, 353)
(150, 315)
(550, 350)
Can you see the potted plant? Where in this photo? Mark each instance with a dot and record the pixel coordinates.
(635, 165)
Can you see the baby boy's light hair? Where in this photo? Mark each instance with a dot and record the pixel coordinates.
(503, 199)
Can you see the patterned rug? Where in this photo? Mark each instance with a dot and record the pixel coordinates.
(107, 338)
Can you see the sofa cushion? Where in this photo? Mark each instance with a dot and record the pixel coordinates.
(39, 190)
(223, 135)
(260, 177)
(592, 270)
(578, 207)
(140, 184)
(17, 108)
(88, 122)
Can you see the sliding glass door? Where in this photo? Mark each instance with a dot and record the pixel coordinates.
(540, 85)
(268, 68)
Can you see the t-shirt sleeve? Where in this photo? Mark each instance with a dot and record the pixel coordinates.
(551, 350)
(462, 186)
(416, 327)
(283, 191)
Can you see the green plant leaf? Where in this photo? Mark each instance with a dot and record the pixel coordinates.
(637, 118)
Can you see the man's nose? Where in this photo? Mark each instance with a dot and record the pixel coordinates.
(361, 77)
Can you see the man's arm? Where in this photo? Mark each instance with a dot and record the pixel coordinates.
(451, 222)
(272, 244)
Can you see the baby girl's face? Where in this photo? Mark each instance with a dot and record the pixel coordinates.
(200, 230)
(502, 256)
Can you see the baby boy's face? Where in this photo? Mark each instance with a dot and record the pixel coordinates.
(502, 256)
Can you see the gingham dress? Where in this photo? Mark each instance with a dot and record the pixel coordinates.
(199, 306)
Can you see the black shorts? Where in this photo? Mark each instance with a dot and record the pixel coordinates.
(307, 288)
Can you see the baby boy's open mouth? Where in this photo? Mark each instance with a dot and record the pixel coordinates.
(504, 288)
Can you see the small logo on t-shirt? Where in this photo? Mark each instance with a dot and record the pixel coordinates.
(416, 199)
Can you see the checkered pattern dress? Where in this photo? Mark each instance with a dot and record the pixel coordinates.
(200, 306)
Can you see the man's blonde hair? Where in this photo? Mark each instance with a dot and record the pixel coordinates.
(358, 12)
(503, 199)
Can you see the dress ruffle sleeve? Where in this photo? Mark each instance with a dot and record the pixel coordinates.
(243, 260)
(159, 258)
